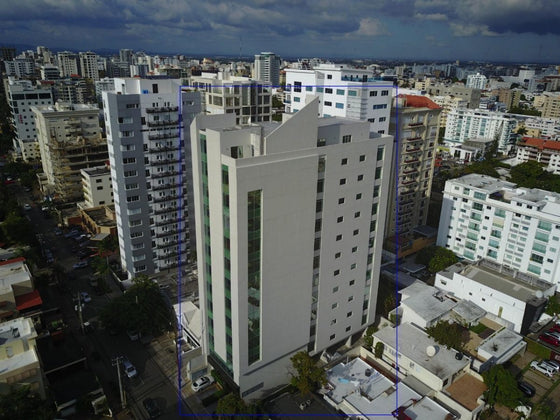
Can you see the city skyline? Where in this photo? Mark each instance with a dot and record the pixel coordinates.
(414, 29)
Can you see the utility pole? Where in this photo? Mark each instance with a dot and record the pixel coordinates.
(80, 313)
(116, 361)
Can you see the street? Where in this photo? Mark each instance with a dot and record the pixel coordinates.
(101, 347)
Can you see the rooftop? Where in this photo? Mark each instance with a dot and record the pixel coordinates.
(13, 272)
(413, 344)
(97, 171)
(466, 390)
(499, 343)
(16, 329)
(426, 301)
(468, 311)
(540, 143)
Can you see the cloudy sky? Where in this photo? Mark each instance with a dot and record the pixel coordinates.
(493, 30)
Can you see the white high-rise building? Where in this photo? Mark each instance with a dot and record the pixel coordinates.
(88, 65)
(147, 130)
(289, 226)
(267, 68)
(484, 217)
(343, 92)
(465, 124)
(67, 63)
(22, 95)
(476, 81)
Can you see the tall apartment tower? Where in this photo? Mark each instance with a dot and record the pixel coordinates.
(343, 92)
(485, 217)
(267, 68)
(289, 226)
(125, 55)
(147, 130)
(476, 81)
(67, 63)
(250, 100)
(416, 123)
(70, 139)
(22, 95)
(88, 65)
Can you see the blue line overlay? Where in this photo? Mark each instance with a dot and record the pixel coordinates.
(359, 85)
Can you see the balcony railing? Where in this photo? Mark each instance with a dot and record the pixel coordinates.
(162, 123)
(164, 161)
(162, 109)
(163, 174)
(415, 124)
(165, 187)
(166, 198)
(163, 136)
(413, 138)
(411, 150)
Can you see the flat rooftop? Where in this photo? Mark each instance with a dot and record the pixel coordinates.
(426, 301)
(468, 311)
(13, 272)
(483, 182)
(413, 343)
(16, 329)
(466, 390)
(501, 342)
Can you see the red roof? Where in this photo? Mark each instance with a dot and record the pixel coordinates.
(13, 260)
(29, 300)
(416, 101)
(541, 143)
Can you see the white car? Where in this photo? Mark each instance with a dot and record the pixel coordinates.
(129, 369)
(27, 206)
(202, 383)
(542, 368)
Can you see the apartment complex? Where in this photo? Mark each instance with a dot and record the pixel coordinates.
(476, 81)
(343, 92)
(484, 217)
(471, 95)
(447, 104)
(67, 63)
(250, 100)
(147, 129)
(267, 68)
(88, 65)
(289, 225)
(22, 95)
(415, 120)
(464, 124)
(70, 139)
(540, 150)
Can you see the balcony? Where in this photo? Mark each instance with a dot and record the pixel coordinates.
(167, 198)
(413, 138)
(162, 109)
(164, 174)
(408, 181)
(167, 210)
(164, 161)
(167, 233)
(165, 187)
(165, 148)
(415, 124)
(410, 171)
(162, 123)
(411, 150)
(163, 136)
(167, 244)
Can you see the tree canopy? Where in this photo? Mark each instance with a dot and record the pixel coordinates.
(502, 387)
(531, 174)
(436, 258)
(142, 307)
(451, 335)
(308, 375)
(22, 404)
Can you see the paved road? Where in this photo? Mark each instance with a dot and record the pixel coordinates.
(101, 347)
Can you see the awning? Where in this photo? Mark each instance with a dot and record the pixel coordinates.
(29, 300)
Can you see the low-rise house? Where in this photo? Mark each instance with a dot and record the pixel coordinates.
(17, 291)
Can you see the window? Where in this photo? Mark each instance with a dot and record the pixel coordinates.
(334, 306)
(360, 178)
(335, 289)
(341, 200)
(384, 93)
(132, 198)
(347, 138)
(356, 232)
(332, 337)
(297, 86)
(348, 328)
(351, 283)
(352, 266)
(128, 160)
(297, 99)
(356, 214)
(359, 196)
(338, 237)
(328, 90)
(328, 103)
(380, 153)
(382, 119)
(309, 88)
(362, 158)
(380, 106)
(339, 105)
(349, 314)
(337, 255)
(340, 91)
(373, 93)
(352, 93)
(344, 161)
(340, 219)
(342, 181)
(378, 171)
(336, 272)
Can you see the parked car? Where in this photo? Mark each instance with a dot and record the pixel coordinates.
(57, 231)
(85, 297)
(202, 383)
(555, 328)
(152, 407)
(554, 363)
(80, 264)
(129, 369)
(550, 339)
(526, 388)
(550, 363)
(539, 367)
(133, 335)
(27, 206)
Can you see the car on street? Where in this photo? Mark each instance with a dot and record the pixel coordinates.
(550, 338)
(129, 369)
(134, 335)
(544, 369)
(202, 383)
(555, 328)
(85, 297)
(526, 388)
(152, 407)
(552, 364)
(57, 231)
(80, 264)
(27, 206)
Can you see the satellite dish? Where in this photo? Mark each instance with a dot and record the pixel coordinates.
(431, 351)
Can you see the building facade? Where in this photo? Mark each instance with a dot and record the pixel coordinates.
(67, 63)
(70, 139)
(343, 92)
(147, 129)
(22, 95)
(96, 183)
(464, 124)
(476, 81)
(248, 99)
(88, 66)
(540, 150)
(289, 225)
(267, 68)
(484, 217)
(415, 124)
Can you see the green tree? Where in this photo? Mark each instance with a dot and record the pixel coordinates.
(17, 229)
(442, 259)
(485, 167)
(308, 375)
(379, 348)
(553, 306)
(451, 335)
(22, 404)
(230, 405)
(368, 337)
(425, 255)
(502, 387)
